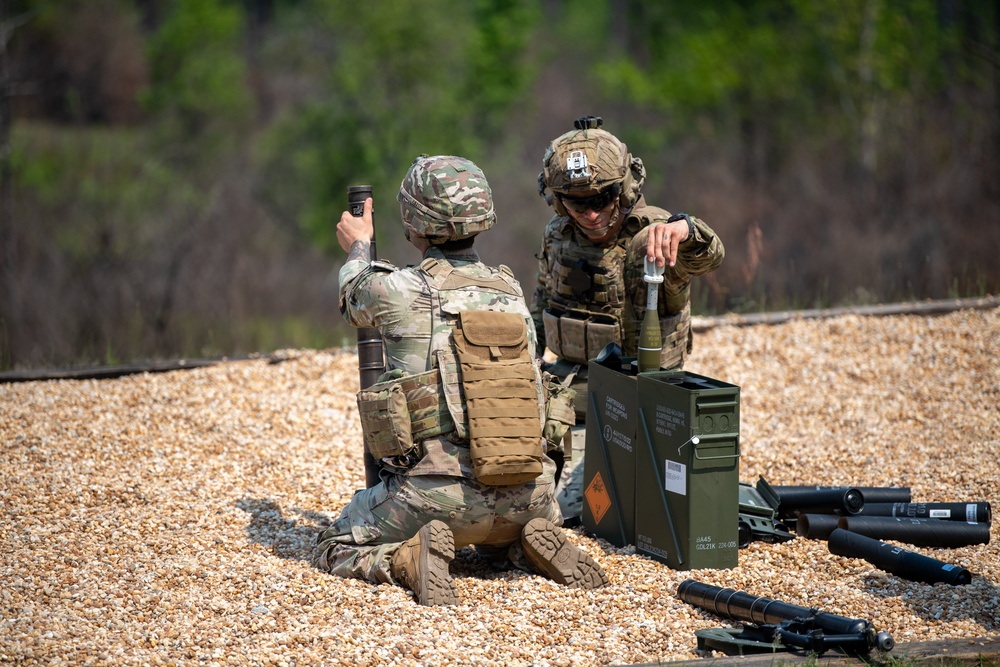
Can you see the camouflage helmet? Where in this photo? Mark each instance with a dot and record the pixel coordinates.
(445, 198)
(588, 159)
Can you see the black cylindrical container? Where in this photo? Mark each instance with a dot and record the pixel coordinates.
(371, 358)
(872, 494)
(796, 500)
(371, 355)
(356, 196)
(896, 560)
(816, 526)
(970, 512)
(918, 532)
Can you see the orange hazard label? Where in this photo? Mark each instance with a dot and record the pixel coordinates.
(598, 499)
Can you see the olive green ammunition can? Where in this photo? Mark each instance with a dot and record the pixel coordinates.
(687, 470)
(609, 460)
(661, 469)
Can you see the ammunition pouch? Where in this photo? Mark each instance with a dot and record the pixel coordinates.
(578, 336)
(400, 411)
(560, 415)
(486, 391)
(574, 377)
(501, 384)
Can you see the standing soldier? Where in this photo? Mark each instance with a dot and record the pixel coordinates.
(590, 288)
(457, 422)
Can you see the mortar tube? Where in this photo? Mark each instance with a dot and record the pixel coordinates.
(816, 526)
(896, 560)
(918, 532)
(979, 512)
(872, 494)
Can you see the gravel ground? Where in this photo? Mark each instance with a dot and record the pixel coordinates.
(169, 518)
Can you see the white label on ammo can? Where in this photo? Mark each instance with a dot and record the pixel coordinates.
(675, 478)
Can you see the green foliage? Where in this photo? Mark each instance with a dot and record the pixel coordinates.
(582, 32)
(198, 73)
(499, 53)
(858, 139)
(789, 67)
(46, 17)
(405, 78)
(104, 180)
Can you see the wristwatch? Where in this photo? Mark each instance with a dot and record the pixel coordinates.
(683, 216)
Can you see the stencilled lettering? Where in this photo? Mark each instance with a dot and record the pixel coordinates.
(708, 543)
(611, 436)
(615, 409)
(622, 440)
(645, 542)
(668, 420)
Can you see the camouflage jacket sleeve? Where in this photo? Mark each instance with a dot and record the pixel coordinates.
(373, 295)
(696, 256)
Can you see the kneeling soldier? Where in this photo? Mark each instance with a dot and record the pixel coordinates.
(463, 419)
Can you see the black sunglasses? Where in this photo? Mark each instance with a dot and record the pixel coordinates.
(597, 202)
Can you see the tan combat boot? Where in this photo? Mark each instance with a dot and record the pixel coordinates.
(549, 552)
(421, 564)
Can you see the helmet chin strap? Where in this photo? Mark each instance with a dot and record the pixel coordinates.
(607, 231)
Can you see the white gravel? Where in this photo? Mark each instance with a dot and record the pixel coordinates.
(169, 518)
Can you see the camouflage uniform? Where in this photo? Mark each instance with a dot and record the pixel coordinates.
(604, 281)
(415, 321)
(701, 253)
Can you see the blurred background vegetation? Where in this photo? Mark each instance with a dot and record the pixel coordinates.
(171, 171)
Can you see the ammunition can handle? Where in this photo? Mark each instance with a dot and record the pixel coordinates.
(718, 436)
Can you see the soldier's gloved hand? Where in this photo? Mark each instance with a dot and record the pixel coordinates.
(663, 239)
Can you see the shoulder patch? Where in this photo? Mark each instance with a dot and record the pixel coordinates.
(382, 265)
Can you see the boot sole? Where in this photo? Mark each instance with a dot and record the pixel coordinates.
(437, 550)
(547, 548)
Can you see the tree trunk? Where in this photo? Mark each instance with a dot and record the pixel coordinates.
(6, 207)
(5, 170)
